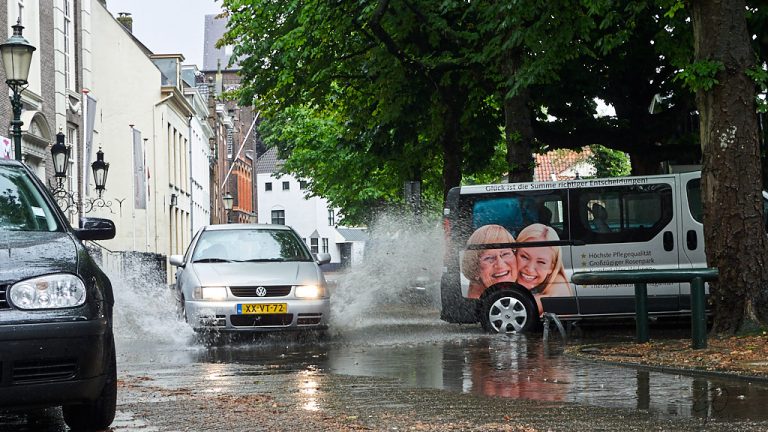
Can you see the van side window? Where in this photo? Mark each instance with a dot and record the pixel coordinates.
(516, 210)
(619, 214)
(694, 200)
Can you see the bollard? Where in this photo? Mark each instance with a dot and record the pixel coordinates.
(641, 312)
(698, 314)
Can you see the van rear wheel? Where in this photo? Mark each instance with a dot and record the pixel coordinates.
(508, 311)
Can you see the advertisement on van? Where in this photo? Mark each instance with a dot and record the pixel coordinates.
(519, 244)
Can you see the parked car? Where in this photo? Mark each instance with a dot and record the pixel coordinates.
(56, 342)
(249, 277)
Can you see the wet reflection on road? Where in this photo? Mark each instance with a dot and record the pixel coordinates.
(427, 353)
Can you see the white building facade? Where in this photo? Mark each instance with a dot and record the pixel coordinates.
(283, 199)
(200, 136)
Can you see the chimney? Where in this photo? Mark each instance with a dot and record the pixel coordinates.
(126, 20)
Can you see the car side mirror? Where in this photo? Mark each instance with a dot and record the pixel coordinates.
(176, 260)
(92, 228)
(323, 258)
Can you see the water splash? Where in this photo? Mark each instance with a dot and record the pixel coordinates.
(145, 307)
(398, 281)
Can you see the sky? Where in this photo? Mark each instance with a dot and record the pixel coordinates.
(152, 24)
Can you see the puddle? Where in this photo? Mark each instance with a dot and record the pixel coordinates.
(384, 328)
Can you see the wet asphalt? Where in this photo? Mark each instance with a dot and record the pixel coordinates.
(388, 363)
(399, 371)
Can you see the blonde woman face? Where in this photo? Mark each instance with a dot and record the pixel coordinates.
(534, 265)
(497, 265)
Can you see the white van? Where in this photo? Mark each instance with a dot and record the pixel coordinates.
(512, 248)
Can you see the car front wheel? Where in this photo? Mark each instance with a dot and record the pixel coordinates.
(507, 311)
(99, 413)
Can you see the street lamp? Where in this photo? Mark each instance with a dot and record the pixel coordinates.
(16, 53)
(228, 201)
(60, 153)
(100, 170)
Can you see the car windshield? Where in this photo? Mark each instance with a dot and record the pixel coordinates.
(239, 245)
(22, 207)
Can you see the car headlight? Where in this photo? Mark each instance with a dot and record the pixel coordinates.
(48, 292)
(309, 291)
(210, 293)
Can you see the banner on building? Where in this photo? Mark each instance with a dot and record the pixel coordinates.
(90, 123)
(139, 172)
(6, 148)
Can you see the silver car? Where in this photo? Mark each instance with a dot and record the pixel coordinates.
(249, 277)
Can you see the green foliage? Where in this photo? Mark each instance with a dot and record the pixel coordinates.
(700, 75)
(760, 76)
(609, 163)
(360, 183)
(390, 89)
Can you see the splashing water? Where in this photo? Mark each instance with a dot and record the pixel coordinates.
(145, 308)
(397, 281)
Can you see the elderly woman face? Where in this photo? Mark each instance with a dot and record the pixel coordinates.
(497, 265)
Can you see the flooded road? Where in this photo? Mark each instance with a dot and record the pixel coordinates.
(423, 352)
(387, 352)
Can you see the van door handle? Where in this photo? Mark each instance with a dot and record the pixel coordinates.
(669, 241)
(692, 240)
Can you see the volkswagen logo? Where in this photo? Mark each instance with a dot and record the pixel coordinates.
(261, 291)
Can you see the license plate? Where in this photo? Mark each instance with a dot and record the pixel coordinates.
(262, 308)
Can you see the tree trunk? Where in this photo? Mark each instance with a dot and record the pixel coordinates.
(731, 188)
(643, 165)
(518, 125)
(449, 138)
(518, 133)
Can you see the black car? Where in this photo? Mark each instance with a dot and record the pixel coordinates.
(56, 342)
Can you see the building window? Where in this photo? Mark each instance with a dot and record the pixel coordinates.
(286, 185)
(302, 184)
(278, 217)
(69, 59)
(268, 186)
(325, 245)
(331, 218)
(313, 245)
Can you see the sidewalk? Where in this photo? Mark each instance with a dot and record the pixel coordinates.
(736, 356)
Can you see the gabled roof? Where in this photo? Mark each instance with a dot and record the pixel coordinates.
(353, 234)
(559, 163)
(268, 163)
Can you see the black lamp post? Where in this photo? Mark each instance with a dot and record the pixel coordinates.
(100, 170)
(228, 201)
(66, 199)
(60, 153)
(17, 56)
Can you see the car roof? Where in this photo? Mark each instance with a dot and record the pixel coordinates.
(10, 162)
(246, 226)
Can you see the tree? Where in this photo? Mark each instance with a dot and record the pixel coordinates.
(609, 163)
(733, 206)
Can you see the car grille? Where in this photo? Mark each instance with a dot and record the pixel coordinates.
(3, 299)
(309, 318)
(43, 371)
(261, 320)
(250, 291)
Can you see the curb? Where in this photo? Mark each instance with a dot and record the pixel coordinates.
(670, 369)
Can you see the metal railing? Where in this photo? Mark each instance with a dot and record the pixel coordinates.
(641, 278)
